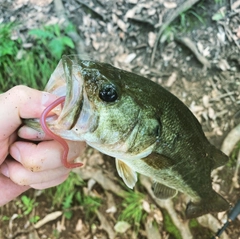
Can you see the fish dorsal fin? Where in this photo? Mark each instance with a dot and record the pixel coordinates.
(126, 173)
(162, 191)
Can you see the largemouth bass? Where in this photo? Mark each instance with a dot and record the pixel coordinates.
(143, 126)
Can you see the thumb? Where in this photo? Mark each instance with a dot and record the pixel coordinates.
(21, 102)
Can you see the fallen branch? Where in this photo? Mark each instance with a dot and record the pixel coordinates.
(171, 17)
(190, 44)
(50, 217)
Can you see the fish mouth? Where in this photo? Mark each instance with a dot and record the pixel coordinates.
(66, 81)
(76, 116)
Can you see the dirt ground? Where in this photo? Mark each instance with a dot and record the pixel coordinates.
(197, 59)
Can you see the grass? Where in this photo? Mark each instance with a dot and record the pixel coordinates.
(27, 204)
(31, 66)
(89, 203)
(169, 226)
(233, 156)
(133, 212)
(70, 193)
(186, 21)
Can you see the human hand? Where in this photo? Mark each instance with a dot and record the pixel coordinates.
(24, 164)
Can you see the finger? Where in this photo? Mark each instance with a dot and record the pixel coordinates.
(26, 132)
(21, 102)
(4, 146)
(21, 176)
(45, 155)
(50, 184)
(9, 190)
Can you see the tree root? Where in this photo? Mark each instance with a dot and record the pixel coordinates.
(105, 225)
(151, 230)
(78, 41)
(212, 223)
(101, 179)
(168, 205)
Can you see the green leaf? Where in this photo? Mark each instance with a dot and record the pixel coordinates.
(34, 219)
(39, 33)
(218, 16)
(56, 47)
(68, 214)
(197, 16)
(121, 226)
(68, 201)
(26, 201)
(67, 41)
(57, 30)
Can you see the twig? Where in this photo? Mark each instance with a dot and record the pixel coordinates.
(190, 44)
(181, 8)
(105, 225)
(223, 96)
(229, 34)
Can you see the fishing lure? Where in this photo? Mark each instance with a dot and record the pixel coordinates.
(56, 137)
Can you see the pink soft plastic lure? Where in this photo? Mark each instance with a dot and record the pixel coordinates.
(56, 137)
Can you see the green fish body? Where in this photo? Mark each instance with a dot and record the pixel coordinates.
(143, 126)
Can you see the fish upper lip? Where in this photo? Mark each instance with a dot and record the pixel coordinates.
(74, 97)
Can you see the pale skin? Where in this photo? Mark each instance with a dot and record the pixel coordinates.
(27, 164)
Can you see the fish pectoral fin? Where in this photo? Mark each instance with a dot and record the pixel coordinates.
(126, 173)
(162, 191)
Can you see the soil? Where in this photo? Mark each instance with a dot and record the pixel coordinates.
(123, 33)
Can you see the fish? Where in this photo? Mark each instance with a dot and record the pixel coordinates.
(142, 125)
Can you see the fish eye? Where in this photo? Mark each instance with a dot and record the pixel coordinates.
(108, 93)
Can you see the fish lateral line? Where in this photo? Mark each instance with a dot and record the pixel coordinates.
(48, 132)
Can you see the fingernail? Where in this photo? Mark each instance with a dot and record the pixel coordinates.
(4, 170)
(32, 133)
(15, 153)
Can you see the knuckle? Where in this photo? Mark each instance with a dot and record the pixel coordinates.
(19, 90)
